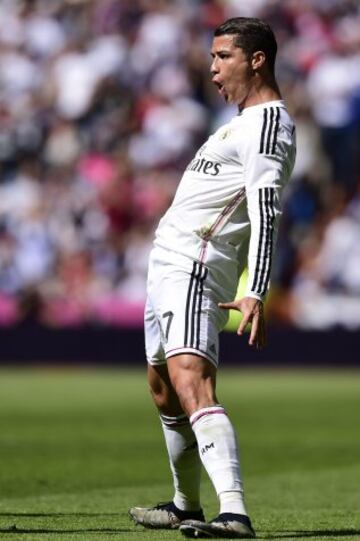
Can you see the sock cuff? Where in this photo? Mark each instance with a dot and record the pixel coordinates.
(211, 410)
(174, 422)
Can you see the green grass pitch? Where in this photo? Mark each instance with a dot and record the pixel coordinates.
(77, 448)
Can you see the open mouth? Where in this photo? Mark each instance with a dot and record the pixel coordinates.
(221, 89)
(220, 86)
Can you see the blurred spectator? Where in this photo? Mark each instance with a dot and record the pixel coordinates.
(331, 84)
(328, 276)
(101, 106)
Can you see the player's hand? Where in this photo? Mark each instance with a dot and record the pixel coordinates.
(253, 313)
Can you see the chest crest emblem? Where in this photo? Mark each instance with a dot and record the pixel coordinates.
(226, 133)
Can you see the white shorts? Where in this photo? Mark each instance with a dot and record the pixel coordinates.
(182, 313)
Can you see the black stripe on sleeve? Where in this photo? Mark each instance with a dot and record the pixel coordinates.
(266, 239)
(263, 131)
(276, 130)
(269, 131)
(271, 126)
(269, 226)
(261, 235)
(271, 241)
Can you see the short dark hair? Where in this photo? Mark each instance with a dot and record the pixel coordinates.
(251, 35)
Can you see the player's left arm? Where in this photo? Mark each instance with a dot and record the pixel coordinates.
(263, 204)
(266, 170)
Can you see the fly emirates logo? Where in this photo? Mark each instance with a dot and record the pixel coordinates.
(202, 165)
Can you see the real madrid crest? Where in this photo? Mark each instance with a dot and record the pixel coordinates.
(226, 133)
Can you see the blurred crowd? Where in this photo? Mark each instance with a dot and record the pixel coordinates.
(102, 105)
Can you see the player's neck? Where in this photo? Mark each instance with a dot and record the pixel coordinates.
(262, 92)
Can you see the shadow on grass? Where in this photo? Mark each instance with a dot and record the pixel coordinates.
(349, 532)
(281, 535)
(18, 531)
(32, 515)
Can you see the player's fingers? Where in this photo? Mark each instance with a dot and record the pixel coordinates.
(228, 305)
(254, 334)
(245, 320)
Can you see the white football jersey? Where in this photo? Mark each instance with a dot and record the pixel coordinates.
(227, 204)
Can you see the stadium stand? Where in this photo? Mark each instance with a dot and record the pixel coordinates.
(102, 104)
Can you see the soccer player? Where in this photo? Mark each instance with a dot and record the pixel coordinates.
(223, 217)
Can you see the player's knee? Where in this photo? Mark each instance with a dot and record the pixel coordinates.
(188, 399)
(193, 395)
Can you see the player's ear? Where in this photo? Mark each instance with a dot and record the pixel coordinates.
(258, 59)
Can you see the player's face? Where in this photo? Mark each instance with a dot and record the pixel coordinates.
(231, 70)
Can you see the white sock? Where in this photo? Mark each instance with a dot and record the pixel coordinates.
(219, 454)
(184, 460)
